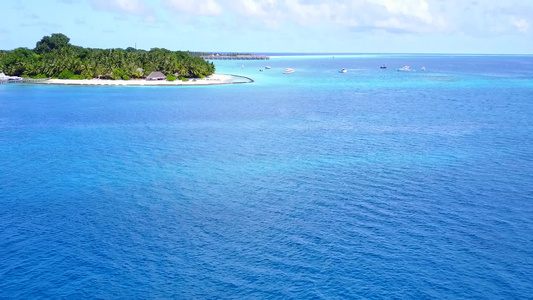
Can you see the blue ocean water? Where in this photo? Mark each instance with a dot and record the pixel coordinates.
(369, 184)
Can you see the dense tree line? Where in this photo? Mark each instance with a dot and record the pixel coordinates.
(54, 56)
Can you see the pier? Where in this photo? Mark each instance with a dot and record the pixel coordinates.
(235, 57)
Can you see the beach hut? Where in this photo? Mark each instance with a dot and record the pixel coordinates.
(156, 76)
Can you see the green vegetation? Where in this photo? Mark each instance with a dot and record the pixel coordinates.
(171, 77)
(55, 57)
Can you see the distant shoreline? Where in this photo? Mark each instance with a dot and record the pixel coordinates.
(215, 79)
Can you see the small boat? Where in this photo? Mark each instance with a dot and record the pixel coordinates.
(4, 77)
(404, 68)
(423, 68)
(288, 71)
(384, 66)
(343, 70)
(267, 67)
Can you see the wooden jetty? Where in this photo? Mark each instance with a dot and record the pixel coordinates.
(235, 57)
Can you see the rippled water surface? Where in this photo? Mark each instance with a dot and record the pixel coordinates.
(369, 184)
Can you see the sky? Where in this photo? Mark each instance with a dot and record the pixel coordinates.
(265, 26)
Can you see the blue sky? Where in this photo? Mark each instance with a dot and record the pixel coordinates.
(349, 26)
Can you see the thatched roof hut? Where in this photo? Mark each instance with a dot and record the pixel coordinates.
(156, 76)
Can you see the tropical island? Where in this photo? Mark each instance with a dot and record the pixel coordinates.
(55, 58)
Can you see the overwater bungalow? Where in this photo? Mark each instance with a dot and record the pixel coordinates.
(235, 57)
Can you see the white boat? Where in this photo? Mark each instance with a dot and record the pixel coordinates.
(343, 70)
(404, 68)
(4, 77)
(288, 71)
(423, 68)
(267, 67)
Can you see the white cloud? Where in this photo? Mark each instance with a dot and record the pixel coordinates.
(476, 18)
(256, 7)
(415, 8)
(206, 7)
(252, 7)
(308, 13)
(407, 15)
(521, 24)
(126, 6)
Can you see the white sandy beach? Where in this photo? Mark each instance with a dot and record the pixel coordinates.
(215, 79)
